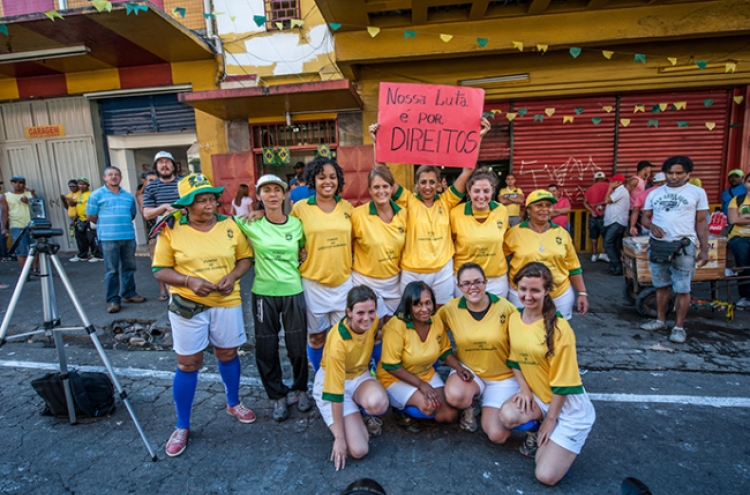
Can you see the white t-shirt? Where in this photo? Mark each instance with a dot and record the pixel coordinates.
(675, 208)
(618, 210)
(244, 207)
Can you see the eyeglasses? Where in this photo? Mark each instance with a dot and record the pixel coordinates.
(476, 283)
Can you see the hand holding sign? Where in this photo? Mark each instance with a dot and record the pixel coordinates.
(426, 124)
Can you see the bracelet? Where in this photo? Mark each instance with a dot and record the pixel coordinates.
(187, 277)
(583, 294)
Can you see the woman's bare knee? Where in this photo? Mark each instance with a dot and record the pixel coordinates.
(359, 451)
(546, 477)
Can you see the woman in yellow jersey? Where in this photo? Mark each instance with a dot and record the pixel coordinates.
(739, 239)
(479, 324)
(412, 344)
(539, 239)
(326, 273)
(379, 231)
(344, 384)
(428, 254)
(543, 358)
(478, 229)
(201, 259)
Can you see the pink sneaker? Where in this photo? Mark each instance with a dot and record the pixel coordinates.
(242, 413)
(177, 442)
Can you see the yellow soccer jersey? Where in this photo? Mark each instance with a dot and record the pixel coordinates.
(328, 241)
(557, 374)
(429, 245)
(72, 213)
(378, 245)
(402, 348)
(208, 255)
(481, 345)
(481, 243)
(346, 355)
(514, 209)
(740, 230)
(554, 248)
(81, 201)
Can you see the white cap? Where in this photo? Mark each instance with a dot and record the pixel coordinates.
(164, 154)
(269, 179)
(600, 175)
(660, 177)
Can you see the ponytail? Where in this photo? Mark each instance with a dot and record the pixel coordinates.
(549, 310)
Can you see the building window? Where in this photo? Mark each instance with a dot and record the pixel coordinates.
(299, 136)
(281, 11)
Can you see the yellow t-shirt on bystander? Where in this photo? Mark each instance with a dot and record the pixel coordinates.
(72, 210)
(514, 209)
(744, 209)
(82, 200)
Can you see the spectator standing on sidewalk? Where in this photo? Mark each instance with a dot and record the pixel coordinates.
(113, 209)
(595, 201)
(69, 202)
(16, 217)
(561, 209)
(301, 191)
(736, 187)
(4, 255)
(676, 214)
(85, 235)
(637, 207)
(512, 197)
(615, 222)
(637, 184)
(739, 240)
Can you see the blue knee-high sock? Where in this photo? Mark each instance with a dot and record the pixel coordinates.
(230, 375)
(377, 352)
(315, 356)
(183, 391)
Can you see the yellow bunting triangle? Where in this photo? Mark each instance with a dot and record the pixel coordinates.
(663, 106)
(567, 118)
(279, 25)
(53, 14)
(102, 5)
(297, 23)
(446, 37)
(639, 108)
(549, 111)
(710, 125)
(730, 67)
(542, 48)
(672, 60)
(607, 108)
(495, 112)
(738, 99)
(607, 54)
(625, 122)
(680, 105)
(518, 44)
(511, 116)
(374, 31)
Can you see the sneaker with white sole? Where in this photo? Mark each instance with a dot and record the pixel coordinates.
(76, 259)
(280, 411)
(603, 257)
(529, 447)
(177, 442)
(743, 303)
(374, 426)
(302, 400)
(594, 257)
(468, 420)
(654, 325)
(242, 413)
(678, 335)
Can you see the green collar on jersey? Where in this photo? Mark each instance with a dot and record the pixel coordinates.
(374, 209)
(462, 302)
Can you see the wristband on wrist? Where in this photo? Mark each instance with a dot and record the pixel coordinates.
(187, 277)
(583, 294)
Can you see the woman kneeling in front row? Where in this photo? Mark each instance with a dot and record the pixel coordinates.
(412, 344)
(543, 358)
(343, 383)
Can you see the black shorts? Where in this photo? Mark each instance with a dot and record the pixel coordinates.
(596, 227)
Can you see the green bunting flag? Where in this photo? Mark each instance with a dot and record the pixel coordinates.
(701, 64)
(521, 112)
(682, 123)
(575, 51)
(482, 42)
(639, 57)
(708, 102)
(334, 25)
(410, 34)
(259, 20)
(539, 118)
(135, 8)
(596, 120)
(4, 29)
(578, 110)
(179, 10)
(652, 123)
(655, 109)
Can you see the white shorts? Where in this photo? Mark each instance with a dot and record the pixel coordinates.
(400, 392)
(441, 281)
(494, 393)
(326, 306)
(495, 285)
(564, 302)
(222, 327)
(574, 422)
(350, 386)
(388, 291)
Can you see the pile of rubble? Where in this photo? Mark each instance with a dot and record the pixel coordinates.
(144, 334)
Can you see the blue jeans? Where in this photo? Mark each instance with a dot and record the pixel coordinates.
(119, 266)
(740, 247)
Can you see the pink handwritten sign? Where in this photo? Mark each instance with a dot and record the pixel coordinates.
(424, 124)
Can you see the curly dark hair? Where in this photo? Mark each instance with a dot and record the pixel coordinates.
(315, 167)
(687, 163)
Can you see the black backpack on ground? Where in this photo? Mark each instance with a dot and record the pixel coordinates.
(93, 394)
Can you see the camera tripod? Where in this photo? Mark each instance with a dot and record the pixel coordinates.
(47, 251)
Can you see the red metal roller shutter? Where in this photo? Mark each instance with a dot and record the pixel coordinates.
(707, 148)
(567, 154)
(496, 144)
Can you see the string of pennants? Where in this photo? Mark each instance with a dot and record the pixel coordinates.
(625, 122)
(281, 155)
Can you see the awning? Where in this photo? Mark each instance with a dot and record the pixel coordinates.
(275, 101)
(39, 51)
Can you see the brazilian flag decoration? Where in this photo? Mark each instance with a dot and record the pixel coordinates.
(323, 150)
(283, 156)
(269, 156)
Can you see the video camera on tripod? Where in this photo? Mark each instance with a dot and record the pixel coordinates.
(39, 227)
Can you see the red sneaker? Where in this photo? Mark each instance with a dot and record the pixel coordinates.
(242, 413)
(177, 442)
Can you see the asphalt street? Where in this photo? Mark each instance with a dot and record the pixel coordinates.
(673, 417)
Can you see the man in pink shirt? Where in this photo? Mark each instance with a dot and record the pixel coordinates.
(561, 208)
(595, 201)
(637, 184)
(637, 206)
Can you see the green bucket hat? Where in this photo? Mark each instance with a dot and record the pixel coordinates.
(192, 185)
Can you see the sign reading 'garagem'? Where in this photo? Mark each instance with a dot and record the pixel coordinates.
(425, 124)
(44, 131)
